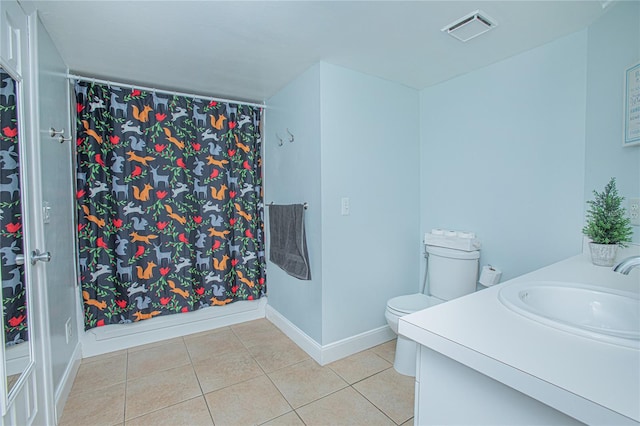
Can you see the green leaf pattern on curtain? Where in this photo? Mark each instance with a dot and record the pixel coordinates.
(170, 211)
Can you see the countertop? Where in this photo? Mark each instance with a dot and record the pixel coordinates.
(595, 382)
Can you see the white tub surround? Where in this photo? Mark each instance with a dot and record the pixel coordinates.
(114, 337)
(481, 363)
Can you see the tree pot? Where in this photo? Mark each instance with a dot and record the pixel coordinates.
(603, 254)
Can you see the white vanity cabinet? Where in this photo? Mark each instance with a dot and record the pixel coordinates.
(450, 392)
(481, 363)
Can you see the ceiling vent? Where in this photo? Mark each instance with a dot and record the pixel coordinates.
(470, 26)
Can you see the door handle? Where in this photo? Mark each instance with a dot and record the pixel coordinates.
(35, 256)
(42, 257)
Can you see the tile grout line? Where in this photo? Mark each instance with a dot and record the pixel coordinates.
(126, 387)
(295, 410)
(179, 402)
(244, 344)
(243, 381)
(267, 376)
(378, 408)
(202, 394)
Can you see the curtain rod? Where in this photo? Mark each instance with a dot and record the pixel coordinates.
(168, 92)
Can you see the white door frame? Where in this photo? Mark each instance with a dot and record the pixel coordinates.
(40, 322)
(33, 396)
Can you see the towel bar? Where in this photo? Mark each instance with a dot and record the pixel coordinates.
(305, 205)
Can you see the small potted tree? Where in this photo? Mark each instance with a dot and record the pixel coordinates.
(607, 225)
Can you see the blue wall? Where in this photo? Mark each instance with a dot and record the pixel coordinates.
(510, 151)
(502, 154)
(370, 155)
(613, 45)
(356, 136)
(293, 175)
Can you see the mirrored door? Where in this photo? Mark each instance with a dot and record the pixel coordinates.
(14, 290)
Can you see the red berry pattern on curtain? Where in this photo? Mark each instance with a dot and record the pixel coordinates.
(13, 290)
(170, 210)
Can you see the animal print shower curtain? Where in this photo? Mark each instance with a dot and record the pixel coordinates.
(170, 212)
(13, 290)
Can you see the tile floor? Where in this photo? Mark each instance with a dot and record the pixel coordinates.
(245, 374)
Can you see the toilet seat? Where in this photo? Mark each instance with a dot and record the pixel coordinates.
(409, 303)
(450, 273)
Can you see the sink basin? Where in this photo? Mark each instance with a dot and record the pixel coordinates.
(595, 312)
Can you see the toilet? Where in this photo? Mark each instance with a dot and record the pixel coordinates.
(452, 271)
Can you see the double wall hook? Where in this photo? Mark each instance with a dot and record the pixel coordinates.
(60, 134)
(281, 141)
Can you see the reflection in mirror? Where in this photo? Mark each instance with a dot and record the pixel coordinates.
(14, 306)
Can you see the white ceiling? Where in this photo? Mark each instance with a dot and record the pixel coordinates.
(248, 50)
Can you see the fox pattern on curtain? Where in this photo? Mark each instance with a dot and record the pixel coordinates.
(13, 290)
(170, 211)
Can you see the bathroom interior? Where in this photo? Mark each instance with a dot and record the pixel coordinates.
(399, 163)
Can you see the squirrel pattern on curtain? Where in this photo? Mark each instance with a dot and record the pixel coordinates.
(170, 211)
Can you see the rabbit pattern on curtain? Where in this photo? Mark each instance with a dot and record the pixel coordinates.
(169, 195)
(13, 290)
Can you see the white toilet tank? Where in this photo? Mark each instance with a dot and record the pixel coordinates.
(452, 273)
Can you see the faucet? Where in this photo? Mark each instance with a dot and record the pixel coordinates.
(626, 265)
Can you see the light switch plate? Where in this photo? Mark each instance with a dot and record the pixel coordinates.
(46, 212)
(345, 209)
(634, 211)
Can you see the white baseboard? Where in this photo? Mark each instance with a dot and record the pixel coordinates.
(354, 344)
(66, 383)
(300, 338)
(116, 337)
(325, 354)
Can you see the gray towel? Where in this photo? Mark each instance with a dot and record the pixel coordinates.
(287, 240)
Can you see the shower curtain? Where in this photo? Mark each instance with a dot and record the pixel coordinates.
(169, 196)
(13, 289)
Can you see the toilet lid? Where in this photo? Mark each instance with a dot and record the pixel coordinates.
(409, 303)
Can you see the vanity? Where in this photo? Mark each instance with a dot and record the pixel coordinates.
(482, 362)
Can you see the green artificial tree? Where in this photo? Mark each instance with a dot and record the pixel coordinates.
(607, 222)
